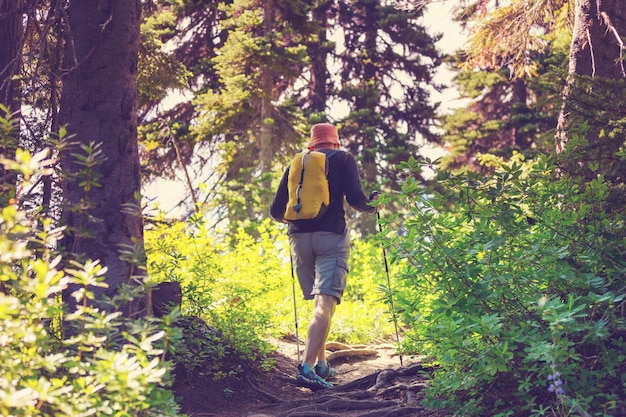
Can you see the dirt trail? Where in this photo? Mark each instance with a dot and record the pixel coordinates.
(375, 385)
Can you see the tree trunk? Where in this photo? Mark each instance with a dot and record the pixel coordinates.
(595, 96)
(318, 52)
(365, 144)
(265, 134)
(519, 90)
(99, 105)
(596, 55)
(11, 31)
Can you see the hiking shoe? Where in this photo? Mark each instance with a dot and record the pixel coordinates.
(311, 380)
(325, 372)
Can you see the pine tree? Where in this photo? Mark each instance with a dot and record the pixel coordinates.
(249, 115)
(179, 40)
(591, 97)
(99, 108)
(385, 62)
(385, 70)
(11, 33)
(504, 115)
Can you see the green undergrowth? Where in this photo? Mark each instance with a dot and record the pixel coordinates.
(91, 361)
(513, 287)
(244, 286)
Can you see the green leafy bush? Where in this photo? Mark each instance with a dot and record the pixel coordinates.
(94, 362)
(513, 283)
(244, 286)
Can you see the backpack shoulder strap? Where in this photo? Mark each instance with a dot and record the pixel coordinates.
(298, 205)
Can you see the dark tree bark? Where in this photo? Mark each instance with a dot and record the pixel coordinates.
(99, 105)
(266, 153)
(318, 51)
(365, 146)
(11, 31)
(596, 59)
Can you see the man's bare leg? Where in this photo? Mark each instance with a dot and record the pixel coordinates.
(319, 328)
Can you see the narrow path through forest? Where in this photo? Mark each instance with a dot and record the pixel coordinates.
(371, 382)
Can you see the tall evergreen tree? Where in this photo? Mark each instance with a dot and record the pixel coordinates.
(504, 115)
(314, 99)
(179, 41)
(385, 71)
(250, 115)
(99, 108)
(11, 34)
(386, 61)
(594, 88)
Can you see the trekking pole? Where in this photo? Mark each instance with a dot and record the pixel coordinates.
(295, 311)
(391, 306)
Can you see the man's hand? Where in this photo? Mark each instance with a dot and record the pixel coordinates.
(372, 198)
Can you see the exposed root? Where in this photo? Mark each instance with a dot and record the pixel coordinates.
(346, 353)
(384, 378)
(396, 412)
(254, 386)
(336, 405)
(393, 389)
(334, 346)
(358, 384)
(412, 370)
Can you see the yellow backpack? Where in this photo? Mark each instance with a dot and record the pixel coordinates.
(309, 196)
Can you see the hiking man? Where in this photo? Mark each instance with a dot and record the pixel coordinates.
(321, 249)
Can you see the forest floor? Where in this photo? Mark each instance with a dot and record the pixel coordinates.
(372, 384)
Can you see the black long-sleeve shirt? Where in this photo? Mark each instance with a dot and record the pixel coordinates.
(343, 180)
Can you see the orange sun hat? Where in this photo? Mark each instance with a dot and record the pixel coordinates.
(323, 133)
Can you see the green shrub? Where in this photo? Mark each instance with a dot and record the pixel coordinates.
(244, 287)
(94, 363)
(513, 283)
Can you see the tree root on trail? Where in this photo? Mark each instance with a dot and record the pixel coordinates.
(412, 370)
(333, 346)
(386, 393)
(341, 350)
(336, 405)
(350, 352)
(359, 384)
(265, 394)
(395, 412)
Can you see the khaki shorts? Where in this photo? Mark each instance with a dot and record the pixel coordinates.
(321, 262)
